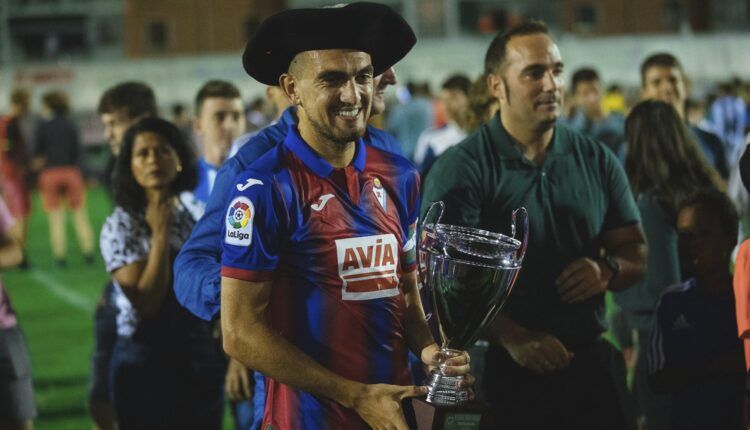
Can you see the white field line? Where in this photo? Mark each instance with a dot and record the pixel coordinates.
(67, 294)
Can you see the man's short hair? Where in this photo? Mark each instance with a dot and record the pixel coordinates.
(57, 102)
(20, 97)
(457, 82)
(661, 59)
(717, 203)
(136, 98)
(495, 57)
(585, 74)
(215, 88)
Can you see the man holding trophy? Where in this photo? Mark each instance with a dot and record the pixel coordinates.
(319, 287)
(547, 366)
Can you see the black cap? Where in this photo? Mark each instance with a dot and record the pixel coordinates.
(368, 27)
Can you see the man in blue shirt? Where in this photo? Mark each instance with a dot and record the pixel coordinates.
(663, 78)
(219, 120)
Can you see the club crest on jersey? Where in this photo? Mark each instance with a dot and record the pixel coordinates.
(239, 222)
(368, 267)
(379, 191)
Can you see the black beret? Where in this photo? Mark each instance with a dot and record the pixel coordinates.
(369, 27)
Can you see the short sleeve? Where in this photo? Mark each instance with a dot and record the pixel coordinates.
(659, 341)
(454, 180)
(409, 251)
(123, 240)
(742, 289)
(251, 229)
(622, 209)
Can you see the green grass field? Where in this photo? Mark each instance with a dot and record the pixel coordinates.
(55, 309)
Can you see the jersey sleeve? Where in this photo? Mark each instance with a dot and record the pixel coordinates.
(409, 250)
(122, 241)
(659, 354)
(197, 268)
(622, 209)
(252, 230)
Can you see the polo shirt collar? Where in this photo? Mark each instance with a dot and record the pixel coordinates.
(508, 149)
(315, 162)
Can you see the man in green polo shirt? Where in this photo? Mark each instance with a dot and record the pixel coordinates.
(547, 364)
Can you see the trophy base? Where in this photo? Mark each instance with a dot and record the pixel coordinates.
(466, 416)
(444, 391)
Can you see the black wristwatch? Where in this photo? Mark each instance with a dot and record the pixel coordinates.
(613, 265)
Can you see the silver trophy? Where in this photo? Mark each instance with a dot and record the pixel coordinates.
(469, 274)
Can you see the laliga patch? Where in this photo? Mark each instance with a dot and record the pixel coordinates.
(239, 222)
(379, 191)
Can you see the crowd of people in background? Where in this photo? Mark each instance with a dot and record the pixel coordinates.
(675, 328)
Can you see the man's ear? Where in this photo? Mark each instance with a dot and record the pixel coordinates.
(496, 86)
(288, 84)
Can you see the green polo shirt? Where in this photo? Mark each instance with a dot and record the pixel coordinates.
(579, 192)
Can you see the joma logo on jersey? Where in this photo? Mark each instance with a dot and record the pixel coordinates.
(368, 267)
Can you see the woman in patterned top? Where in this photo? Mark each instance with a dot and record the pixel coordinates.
(166, 370)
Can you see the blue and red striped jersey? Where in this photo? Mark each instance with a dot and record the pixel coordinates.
(335, 243)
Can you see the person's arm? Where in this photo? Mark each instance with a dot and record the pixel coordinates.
(585, 277)
(247, 339)
(11, 254)
(145, 283)
(197, 268)
(622, 240)
(741, 286)
(40, 152)
(537, 351)
(238, 383)
(454, 180)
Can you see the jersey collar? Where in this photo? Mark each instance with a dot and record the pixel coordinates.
(205, 165)
(509, 150)
(288, 117)
(315, 162)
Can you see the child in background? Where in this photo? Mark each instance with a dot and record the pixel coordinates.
(695, 355)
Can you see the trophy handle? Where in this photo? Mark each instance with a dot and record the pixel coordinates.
(525, 225)
(420, 268)
(440, 205)
(420, 226)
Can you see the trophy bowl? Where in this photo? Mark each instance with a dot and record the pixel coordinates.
(469, 274)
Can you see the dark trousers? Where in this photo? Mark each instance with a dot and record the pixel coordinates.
(105, 335)
(167, 386)
(582, 396)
